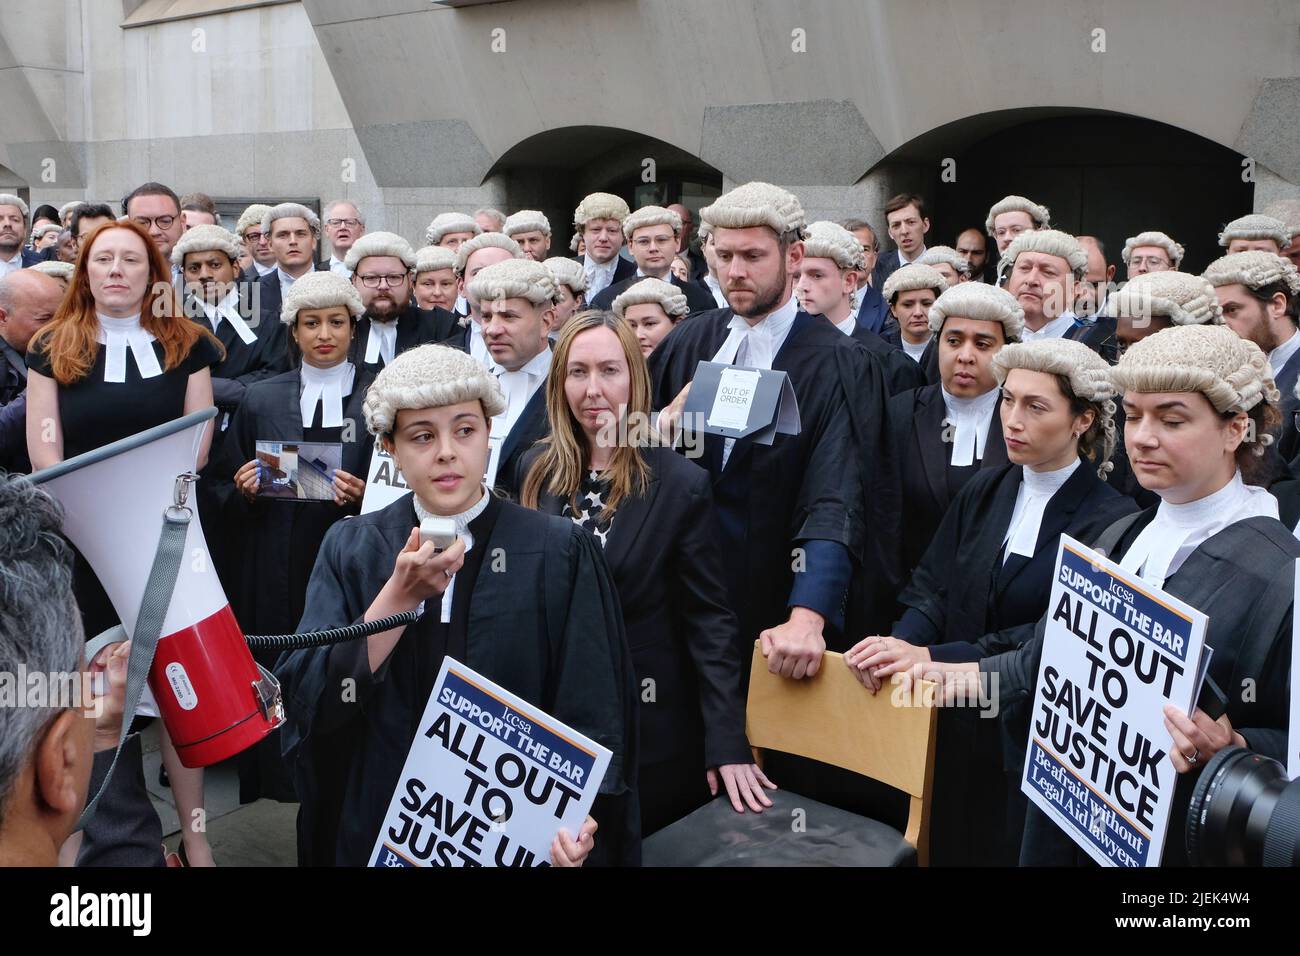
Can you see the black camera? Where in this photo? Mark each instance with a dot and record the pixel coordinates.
(1244, 812)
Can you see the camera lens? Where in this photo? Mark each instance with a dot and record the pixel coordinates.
(1244, 812)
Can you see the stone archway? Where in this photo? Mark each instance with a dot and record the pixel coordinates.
(553, 170)
(1105, 174)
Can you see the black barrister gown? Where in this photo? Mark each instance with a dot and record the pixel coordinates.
(415, 326)
(925, 479)
(545, 624)
(271, 545)
(802, 490)
(965, 603)
(1243, 579)
(662, 549)
(276, 541)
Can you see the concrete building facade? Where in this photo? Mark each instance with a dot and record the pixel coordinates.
(1175, 114)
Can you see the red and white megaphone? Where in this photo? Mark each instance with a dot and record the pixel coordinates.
(212, 695)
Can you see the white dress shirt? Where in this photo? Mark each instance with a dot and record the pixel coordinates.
(286, 281)
(849, 324)
(1054, 329)
(1278, 358)
(914, 352)
(1036, 489)
(227, 310)
(519, 387)
(904, 261)
(716, 288)
(598, 276)
(1178, 530)
(970, 418)
(118, 336)
(263, 270)
(478, 349)
(339, 269)
(11, 265)
(325, 387)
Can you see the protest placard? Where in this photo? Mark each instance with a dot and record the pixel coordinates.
(384, 482)
(1115, 651)
(489, 780)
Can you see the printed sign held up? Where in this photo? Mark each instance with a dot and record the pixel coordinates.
(489, 780)
(1115, 651)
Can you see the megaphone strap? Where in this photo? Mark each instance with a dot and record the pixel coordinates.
(148, 629)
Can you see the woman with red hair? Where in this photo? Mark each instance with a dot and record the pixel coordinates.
(83, 389)
(120, 357)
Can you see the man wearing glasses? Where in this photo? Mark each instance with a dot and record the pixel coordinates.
(653, 233)
(381, 264)
(157, 209)
(257, 246)
(344, 225)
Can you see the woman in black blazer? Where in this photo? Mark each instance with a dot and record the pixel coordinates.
(652, 512)
(986, 577)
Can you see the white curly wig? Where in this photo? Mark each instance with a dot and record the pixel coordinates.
(1256, 269)
(756, 204)
(663, 294)
(1088, 373)
(1180, 297)
(514, 279)
(1256, 227)
(429, 376)
(1041, 216)
(320, 290)
(380, 244)
(206, 239)
(1154, 238)
(498, 240)
(984, 303)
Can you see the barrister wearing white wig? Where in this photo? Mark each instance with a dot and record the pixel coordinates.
(1255, 232)
(251, 216)
(451, 229)
(487, 240)
(380, 244)
(651, 308)
(911, 292)
(435, 278)
(532, 230)
(570, 290)
(987, 574)
(1018, 215)
(291, 210)
(830, 240)
(948, 261)
(1150, 260)
(1213, 542)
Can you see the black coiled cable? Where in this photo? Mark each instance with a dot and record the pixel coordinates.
(335, 635)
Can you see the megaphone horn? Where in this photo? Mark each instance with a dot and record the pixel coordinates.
(214, 698)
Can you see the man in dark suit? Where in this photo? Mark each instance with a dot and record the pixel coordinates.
(13, 234)
(516, 302)
(293, 231)
(1260, 295)
(828, 276)
(257, 245)
(382, 264)
(908, 224)
(473, 257)
(599, 218)
(653, 233)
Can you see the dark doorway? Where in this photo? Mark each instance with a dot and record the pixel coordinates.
(1105, 175)
(552, 171)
